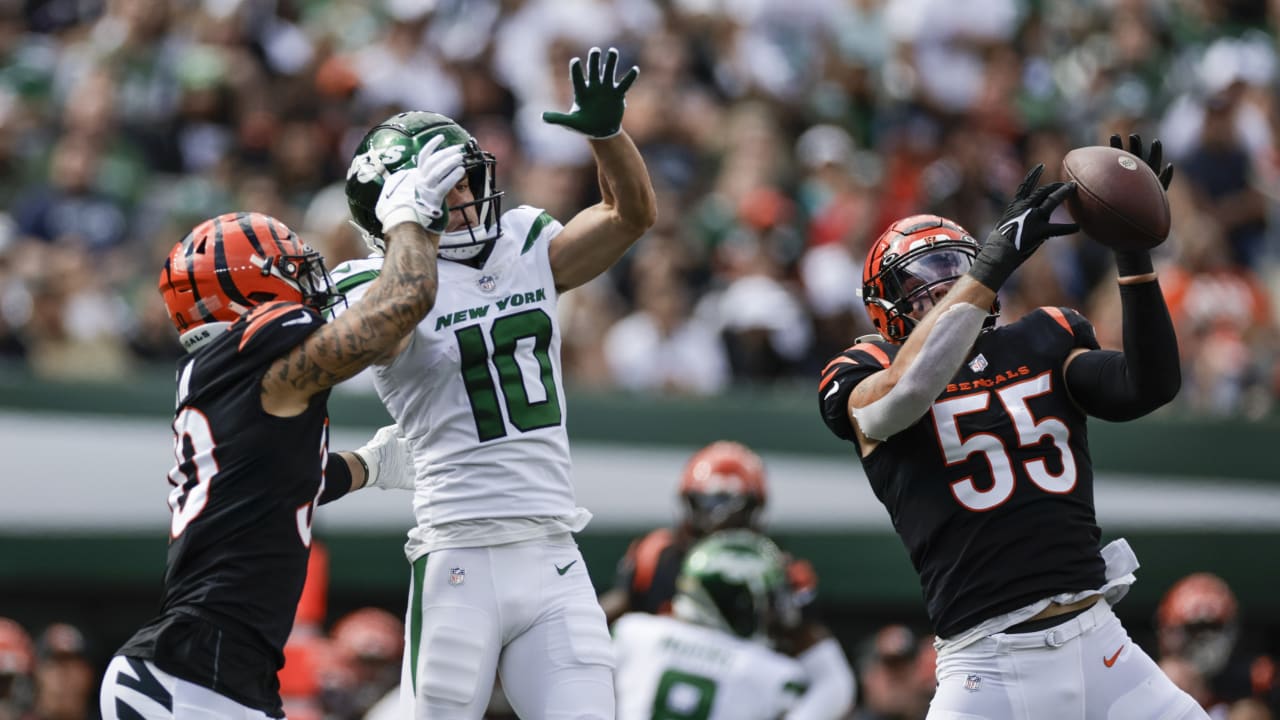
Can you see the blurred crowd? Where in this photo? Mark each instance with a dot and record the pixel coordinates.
(781, 136)
(350, 670)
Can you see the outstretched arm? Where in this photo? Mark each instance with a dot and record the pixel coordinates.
(1125, 386)
(893, 399)
(596, 237)
(402, 295)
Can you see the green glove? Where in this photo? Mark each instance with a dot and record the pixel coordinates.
(598, 106)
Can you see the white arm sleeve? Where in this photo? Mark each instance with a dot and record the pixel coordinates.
(831, 686)
(946, 347)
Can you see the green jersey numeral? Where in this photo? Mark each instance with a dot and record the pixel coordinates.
(506, 334)
(696, 694)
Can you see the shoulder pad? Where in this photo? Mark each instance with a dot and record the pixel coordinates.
(527, 224)
(1076, 326)
(299, 319)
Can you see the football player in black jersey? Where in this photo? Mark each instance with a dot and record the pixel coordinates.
(724, 487)
(974, 438)
(251, 442)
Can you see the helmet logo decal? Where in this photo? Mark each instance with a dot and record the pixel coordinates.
(368, 165)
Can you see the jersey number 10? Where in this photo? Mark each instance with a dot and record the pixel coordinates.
(524, 412)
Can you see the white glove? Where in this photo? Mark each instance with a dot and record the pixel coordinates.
(416, 194)
(388, 460)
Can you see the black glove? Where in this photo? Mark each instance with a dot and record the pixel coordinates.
(1138, 262)
(1023, 228)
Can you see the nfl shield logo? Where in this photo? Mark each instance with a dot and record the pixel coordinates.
(457, 576)
(978, 364)
(971, 683)
(487, 283)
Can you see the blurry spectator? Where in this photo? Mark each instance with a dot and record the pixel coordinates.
(765, 325)
(66, 684)
(1198, 621)
(662, 347)
(70, 210)
(781, 135)
(17, 658)
(1223, 316)
(889, 678)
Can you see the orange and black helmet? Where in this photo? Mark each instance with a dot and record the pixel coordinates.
(723, 486)
(229, 264)
(907, 265)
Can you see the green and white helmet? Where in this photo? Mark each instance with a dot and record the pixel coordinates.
(733, 581)
(394, 144)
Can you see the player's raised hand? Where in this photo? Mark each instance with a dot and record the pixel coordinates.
(1023, 227)
(598, 98)
(416, 193)
(1153, 160)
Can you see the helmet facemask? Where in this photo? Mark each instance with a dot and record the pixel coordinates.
(908, 287)
(307, 273)
(473, 237)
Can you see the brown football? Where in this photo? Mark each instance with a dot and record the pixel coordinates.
(1118, 200)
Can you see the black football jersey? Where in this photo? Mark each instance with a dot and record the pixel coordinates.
(243, 491)
(991, 491)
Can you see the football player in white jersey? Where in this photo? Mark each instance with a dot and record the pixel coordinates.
(711, 661)
(497, 580)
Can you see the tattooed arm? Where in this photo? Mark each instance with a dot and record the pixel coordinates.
(367, 332)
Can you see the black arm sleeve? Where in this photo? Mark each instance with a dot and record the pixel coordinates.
(1124, 386)
(337, 479)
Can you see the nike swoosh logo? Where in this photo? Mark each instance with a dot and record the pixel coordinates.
(1016, 224)
(565, 569)
(1112, 660)
(835, 387)
(304, 320)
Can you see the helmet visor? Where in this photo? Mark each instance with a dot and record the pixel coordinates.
(923, 280)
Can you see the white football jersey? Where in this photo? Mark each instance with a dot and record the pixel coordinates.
(671, 668)
(479, 391)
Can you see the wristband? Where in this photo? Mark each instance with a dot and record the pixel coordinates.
(1133, 262)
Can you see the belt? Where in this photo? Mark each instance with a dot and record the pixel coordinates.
(1046, 623)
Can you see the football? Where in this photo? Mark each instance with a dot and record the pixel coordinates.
(1118, 200)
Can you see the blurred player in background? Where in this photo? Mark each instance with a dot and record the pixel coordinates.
(711, 659)
(17, 661)
(251, 441)
(974, 438)
(1198, 622)
(724, 487)
(65, 680)
(498, 582)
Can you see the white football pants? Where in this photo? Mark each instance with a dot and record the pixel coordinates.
(1086, 668)
(527, 610)
(134, 689)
